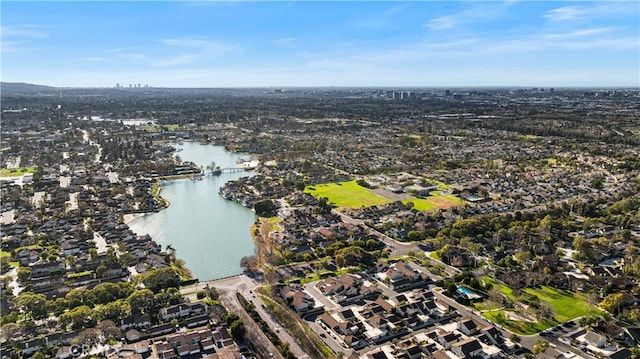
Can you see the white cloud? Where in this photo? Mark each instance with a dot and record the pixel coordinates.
(24, 32)
(575, 12)
(285, 42)
(22, 38)
(191, 50)
(471, 14)
(442, 23)
(564, 13)
(581, 33)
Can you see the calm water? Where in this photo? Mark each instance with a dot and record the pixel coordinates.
(210, 233)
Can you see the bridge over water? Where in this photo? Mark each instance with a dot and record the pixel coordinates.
(219, 171)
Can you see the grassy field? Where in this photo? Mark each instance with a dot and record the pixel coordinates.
(158, 128)
(352, 195)
(274, 222)
(346, 194)
(441, 185)
(565, 305)
(435, 201)
(16, 172)
(525, 328)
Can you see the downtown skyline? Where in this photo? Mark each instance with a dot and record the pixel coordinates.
(297, 44)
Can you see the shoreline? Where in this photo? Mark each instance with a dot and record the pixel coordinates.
(130, 217)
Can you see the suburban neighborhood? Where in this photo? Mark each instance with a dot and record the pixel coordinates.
(498, 223)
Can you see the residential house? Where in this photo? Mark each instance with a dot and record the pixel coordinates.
(299, 300)
(468, 327)
(467, 348)
(595, 339)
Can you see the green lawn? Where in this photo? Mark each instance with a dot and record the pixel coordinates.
(441, 185)
(525, 328)
(158, 128)
(435, 200)
(16, 172)
(566, 305)
(78, 275)
(274, 222)
(346, 194)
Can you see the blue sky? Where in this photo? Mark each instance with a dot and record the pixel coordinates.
(336, 43)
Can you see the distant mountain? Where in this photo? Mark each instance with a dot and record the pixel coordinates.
(20, 88)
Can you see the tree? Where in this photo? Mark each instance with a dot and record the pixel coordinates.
(230, 318)
(372, 244)
(79, 317)
(101, 270)
(544, 311)
(353, 256)
(522, 257)
(141, 301)
(112, 257)
(237, 329)
(171, 253)
(69, 259)
(159, 279)
(612, 302)
(299, 186)
(11, 331)
(88, 336)
(126, 259)
(24, 274)
(540, 346)
(451, 288)
(109, 329)
(76, 297)
(32, 305)
(264, 208)
(116, 310)
(93, 255)
(4, 264)
(415, 235)
(362, 182)
(270, 275)
(249, 262)
(167, 297)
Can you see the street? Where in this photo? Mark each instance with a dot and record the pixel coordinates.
(228, 287)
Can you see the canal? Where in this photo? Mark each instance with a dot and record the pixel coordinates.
(210, 233)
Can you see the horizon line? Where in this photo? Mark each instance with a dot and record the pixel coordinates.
(332, 86)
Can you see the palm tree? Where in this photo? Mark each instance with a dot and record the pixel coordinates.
(171, 253)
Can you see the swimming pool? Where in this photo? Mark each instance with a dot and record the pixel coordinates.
(468, 292)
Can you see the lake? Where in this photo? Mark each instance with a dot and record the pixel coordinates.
(210, 233)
